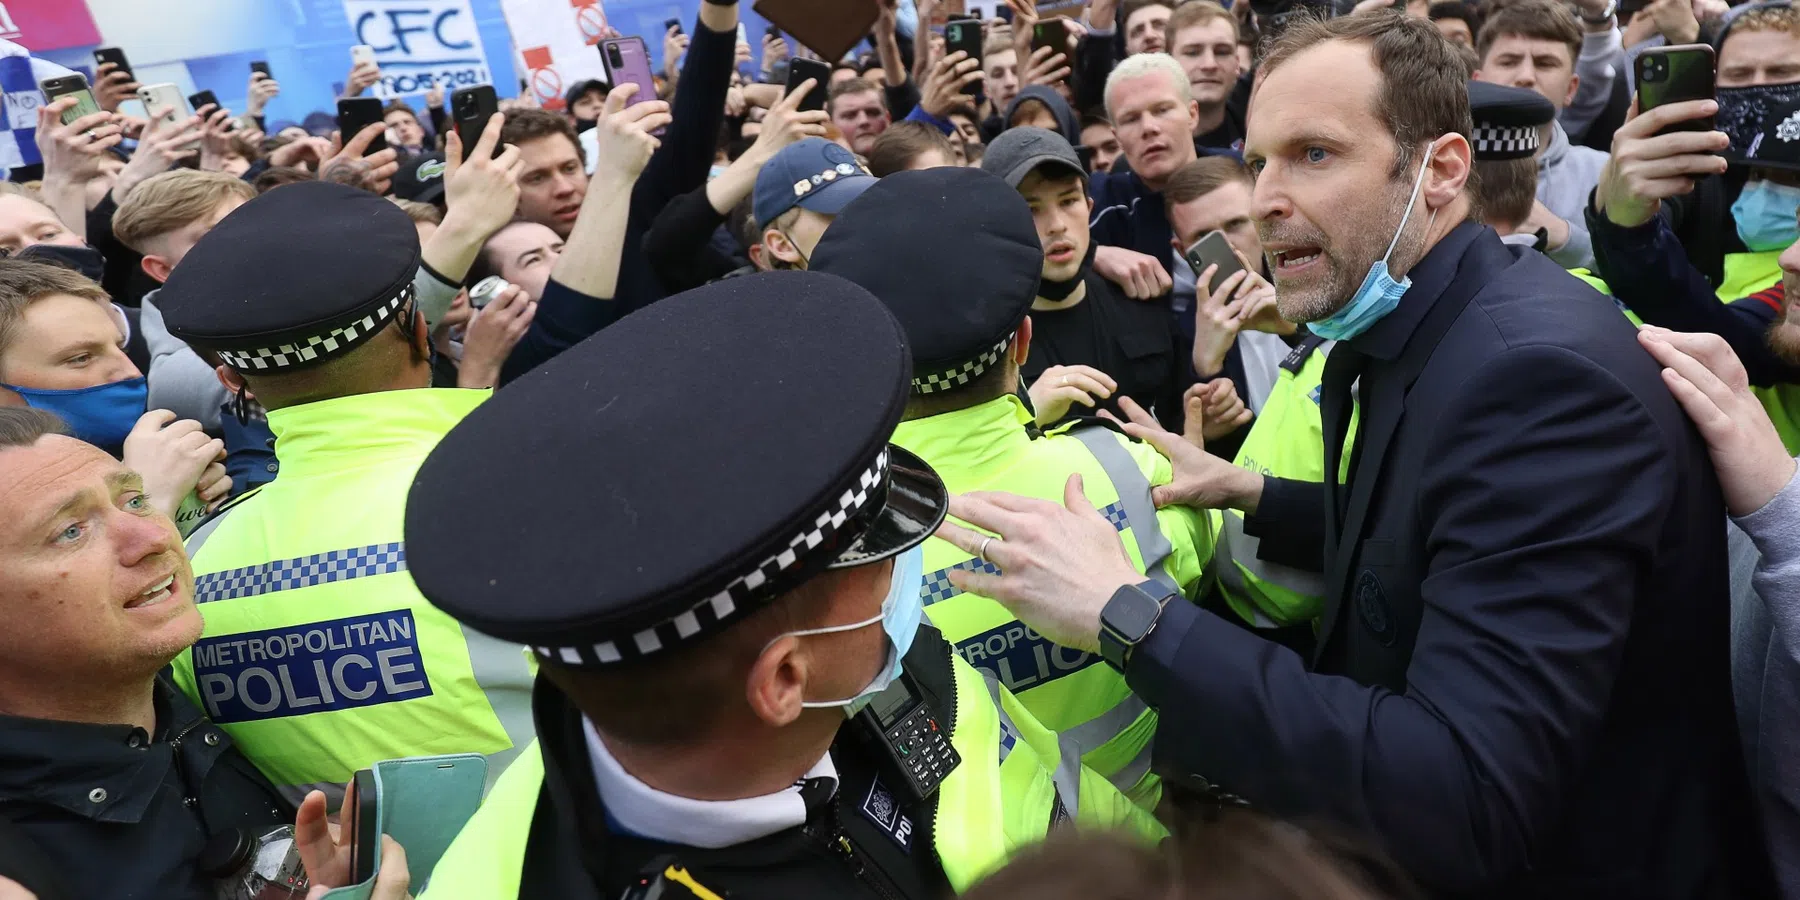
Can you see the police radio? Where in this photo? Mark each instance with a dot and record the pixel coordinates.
(902, 729)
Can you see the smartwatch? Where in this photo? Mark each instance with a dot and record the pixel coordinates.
(1129, 618)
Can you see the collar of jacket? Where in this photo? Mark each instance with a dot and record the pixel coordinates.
(347, 433)
(67, 764)
(1387, 338)
(978, 438)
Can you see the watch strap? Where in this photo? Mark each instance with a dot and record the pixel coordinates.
(1116, 646)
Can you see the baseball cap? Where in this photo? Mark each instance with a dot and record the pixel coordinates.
(420, 178)
(814, 174)
(1018, 151)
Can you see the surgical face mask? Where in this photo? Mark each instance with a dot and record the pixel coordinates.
(1379, 293)
(102, 415)
(1764, 212)
(900, 614)
(804, 262)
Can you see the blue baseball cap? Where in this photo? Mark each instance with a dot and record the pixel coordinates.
(814, 174)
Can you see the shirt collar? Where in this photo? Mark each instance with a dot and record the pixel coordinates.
(636, 808)
(361, 430)
(107, 773)
(1387, 338)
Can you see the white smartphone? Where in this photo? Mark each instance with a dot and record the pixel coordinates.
(165, 101)
(1212, 249)
(362, 53)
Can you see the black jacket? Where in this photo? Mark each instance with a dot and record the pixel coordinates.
(1523, 685)
(114, 812)
(574, 853)
(1136, 343)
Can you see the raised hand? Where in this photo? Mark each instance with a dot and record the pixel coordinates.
(625, 142)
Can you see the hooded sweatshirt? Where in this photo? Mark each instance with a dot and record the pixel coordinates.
(1566, 175)
(1066, 121)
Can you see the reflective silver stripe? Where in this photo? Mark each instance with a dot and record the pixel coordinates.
(206, 529)
(1127, 778)
(504, 674)
(1134, 494)
(1067, 776)
(1235, 548)
(1107, 725)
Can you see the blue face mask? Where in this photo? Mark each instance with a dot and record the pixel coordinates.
(101, 415)
(901, 612)
(1379, 293)
(1765, 215)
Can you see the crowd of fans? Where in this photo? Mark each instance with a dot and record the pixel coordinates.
(1132, 145)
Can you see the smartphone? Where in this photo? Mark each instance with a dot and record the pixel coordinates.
(71, 85)
(628, 62)
(361, 819)
(112, 55)
(164, 100)
(362, 53)
(1674, 75)
(199, 99)
(356, 113)
(1052, 33)
(1212, 249)
(470, 109)
(1004, 13)
(672, 23)
(772, 33)
(260, 67)
(964, 35)
(800, 69)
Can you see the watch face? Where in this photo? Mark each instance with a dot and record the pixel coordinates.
(1131, 612)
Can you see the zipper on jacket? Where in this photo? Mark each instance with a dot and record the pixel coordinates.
(937, 806)
(192, 800)
(839, 845)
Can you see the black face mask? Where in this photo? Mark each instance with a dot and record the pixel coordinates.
(1056, 291)
(582, 125)
(1743, 110)
(85, 260)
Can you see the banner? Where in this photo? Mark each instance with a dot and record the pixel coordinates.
(556, 41)
(41, 25)
(419, 43)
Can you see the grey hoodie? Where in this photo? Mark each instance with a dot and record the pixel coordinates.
(1067, 122)
(1765, 662)
(1566, 176)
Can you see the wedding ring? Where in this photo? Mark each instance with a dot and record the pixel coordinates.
(982, 554)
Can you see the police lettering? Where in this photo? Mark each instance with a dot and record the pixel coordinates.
(1021, 658)
(316, 667)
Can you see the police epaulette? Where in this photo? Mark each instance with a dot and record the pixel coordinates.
(1296, 358)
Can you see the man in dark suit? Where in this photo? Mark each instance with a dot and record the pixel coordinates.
(1521, 687)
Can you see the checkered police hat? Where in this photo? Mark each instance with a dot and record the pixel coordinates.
(663, 503)
(954, 253)
(302, 274)
(1507, 120)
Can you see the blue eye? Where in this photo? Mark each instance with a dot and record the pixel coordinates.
(1316, 155)
(138, 503)
(70, 534)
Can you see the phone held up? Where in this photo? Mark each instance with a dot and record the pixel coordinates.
(356, 113)
(362, 820)
(261, 67)
(627, 61)
(470, 109)
(1052, 33)
(1213, 249)
(115, 56)
(1676, 74)
(75, 85)
(799, 70)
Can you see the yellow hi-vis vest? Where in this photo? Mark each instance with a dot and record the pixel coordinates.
(999, 800)
(319, 656)
(1751, 273)
(988, 447)
(1286, 441)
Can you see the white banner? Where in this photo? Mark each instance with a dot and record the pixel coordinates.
(556, 42)
(419, 43)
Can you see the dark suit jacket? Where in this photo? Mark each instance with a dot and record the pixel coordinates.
(1522, 687)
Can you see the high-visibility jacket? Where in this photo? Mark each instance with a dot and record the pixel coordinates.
(1750, 273)
(319, 655)
(1287, 440)
(994, 446)
(1015, 782)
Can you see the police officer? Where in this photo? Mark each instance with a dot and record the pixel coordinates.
(319, 655)
(954, 254)
(719, 578)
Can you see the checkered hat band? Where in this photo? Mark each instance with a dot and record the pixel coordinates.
(938, 382)
(1505, 142)
(746, 592)
(316, 349)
